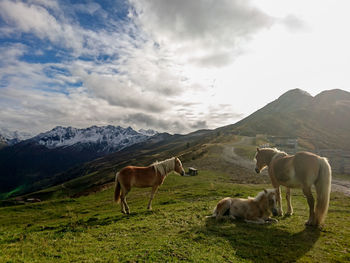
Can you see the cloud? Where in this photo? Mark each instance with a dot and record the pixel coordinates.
(210, 31)
(36, 19)
(199, 125)
(294, 23)
(118, 92)
(37, 110)
(144, 69)
(89, 8)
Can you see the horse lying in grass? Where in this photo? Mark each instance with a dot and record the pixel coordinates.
(150, 176)
(301, 170)
(252, 210)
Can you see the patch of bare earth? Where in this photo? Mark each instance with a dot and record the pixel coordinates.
(342, 186)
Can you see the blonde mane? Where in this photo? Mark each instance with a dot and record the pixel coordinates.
(261, 194)
(277, 153)
(164, 167)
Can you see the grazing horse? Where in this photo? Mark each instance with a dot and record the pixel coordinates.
(150, 176)
(253, 210)
(301, 170)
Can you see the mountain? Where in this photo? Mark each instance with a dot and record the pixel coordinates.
(55, 151)
(8, 137)
(94, 175)
(148, 132)
(105, 139)
(320, 122)
(3, 142)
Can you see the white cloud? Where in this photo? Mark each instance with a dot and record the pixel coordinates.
(35, 19)
(208, 31)
(156, 69)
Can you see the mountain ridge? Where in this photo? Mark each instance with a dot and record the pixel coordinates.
(59, 149)
(111, 138)
(322, 120)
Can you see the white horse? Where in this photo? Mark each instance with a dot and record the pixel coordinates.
(301, 170)
(253, 210)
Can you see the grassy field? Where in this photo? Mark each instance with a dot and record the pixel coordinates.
(92, 229)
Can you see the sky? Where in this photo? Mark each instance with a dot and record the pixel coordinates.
(170, 65)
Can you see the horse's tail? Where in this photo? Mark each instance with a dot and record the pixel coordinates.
(323, 190)
(117, 189)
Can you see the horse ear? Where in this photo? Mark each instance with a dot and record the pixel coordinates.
(257, 149)
(265, 191)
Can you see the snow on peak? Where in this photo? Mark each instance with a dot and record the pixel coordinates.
(13, 137)
(148, 132)
(109, 138)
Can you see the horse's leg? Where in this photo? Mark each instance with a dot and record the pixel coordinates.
(311, 202)
(154, 190)
(125, 207)
(279, 200)
(289, 203)
(122, 198)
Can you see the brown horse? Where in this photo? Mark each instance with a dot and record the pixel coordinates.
(301, 170)
(150, 176)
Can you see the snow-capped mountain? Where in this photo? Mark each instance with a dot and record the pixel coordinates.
(3, 140)
(148, 132)
(45, 156)
(12, 137)
(104, 139)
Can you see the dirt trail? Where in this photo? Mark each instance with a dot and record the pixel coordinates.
(230, 156)
(342, 186)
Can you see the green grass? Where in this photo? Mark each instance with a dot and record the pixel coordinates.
(14, 191)
(92, 229)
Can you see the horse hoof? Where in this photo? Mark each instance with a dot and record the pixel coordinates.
(289, 214)
(309, 223)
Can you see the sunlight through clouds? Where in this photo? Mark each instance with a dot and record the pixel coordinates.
(173, 66)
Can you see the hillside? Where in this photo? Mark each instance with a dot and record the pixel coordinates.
(320, 122)
(93, 176)
(323, 121)
(38, 159)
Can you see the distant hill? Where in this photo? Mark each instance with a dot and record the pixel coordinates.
(23, 164)
(322, 122)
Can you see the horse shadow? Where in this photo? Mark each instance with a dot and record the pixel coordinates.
(262, 243)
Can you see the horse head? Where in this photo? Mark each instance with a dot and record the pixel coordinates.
(260, 161)
(271, 197)
(178, 167)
